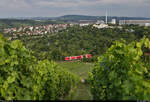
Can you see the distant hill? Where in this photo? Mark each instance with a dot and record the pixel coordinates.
(25, 21)
(78, 17)
(82, 17)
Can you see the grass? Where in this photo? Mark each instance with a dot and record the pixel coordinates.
(82, 91)
(79, 68)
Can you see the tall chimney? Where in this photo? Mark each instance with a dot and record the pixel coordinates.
(106, 17)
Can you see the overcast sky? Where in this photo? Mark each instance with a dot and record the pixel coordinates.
(53, 8)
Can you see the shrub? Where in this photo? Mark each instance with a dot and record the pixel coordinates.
(119, 74)
(22, 77)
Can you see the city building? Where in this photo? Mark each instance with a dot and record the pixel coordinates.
(84, 24)
(101, 25)
(147, 24)
(138, 22)
(113, 21)
(35, 30)
(100, 21)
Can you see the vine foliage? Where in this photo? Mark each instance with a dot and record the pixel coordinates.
(23, 77)
(120, 73)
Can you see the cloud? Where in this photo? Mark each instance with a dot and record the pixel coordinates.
(56, 3)
(13, 4)
(62, 7)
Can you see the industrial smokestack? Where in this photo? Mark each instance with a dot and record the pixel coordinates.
(106, 17)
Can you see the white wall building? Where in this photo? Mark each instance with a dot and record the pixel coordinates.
(100, 21)
(138, 22)
(84, 24)
(113, 21)
(147, 24)
(101, 26)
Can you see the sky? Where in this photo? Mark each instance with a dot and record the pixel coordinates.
(54, 8)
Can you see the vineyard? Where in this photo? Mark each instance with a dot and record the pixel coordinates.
(82, 90)
(23, 77)
(121, 73)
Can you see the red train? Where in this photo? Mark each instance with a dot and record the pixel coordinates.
(78, 57)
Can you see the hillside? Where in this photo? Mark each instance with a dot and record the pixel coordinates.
(80, 40)
(10, 23)
(84, 17)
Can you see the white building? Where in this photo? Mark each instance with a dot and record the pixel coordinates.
(31, 28)
(147, 24)
(84, 24)
(113, 21)
(101, 26)
(138, 22)
(100, 21)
